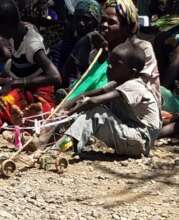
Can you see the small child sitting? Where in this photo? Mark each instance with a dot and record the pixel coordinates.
(124, 115)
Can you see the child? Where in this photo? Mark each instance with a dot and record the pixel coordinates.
(124, 115)
(33, 74)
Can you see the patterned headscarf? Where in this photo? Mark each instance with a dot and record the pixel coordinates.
(91, 7)
(127, 10)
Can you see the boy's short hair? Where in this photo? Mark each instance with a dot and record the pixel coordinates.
(131, 54)
(9, 12)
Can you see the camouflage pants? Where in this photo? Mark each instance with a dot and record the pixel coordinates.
(103, 124)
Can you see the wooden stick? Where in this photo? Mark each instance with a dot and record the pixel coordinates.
(77, 84)
(63, 101)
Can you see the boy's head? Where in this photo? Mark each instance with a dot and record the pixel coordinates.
(9, 18)
(126, 61)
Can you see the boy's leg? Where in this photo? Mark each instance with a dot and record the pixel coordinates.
(101, 123)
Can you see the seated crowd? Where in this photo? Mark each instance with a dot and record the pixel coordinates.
(121, 95)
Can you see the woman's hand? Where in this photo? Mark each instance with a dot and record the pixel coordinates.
(98, 41)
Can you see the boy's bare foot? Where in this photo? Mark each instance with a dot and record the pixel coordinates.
(17, 115)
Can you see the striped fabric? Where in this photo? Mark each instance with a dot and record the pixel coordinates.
(22, 62)
(20, 65)
(60, 53)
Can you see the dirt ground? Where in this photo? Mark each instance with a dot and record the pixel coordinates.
(99, 186)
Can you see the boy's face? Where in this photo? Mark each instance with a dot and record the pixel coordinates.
(118, 69)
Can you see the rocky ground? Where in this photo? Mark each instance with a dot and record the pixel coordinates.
(100, 187)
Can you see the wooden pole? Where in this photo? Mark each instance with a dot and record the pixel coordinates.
(77, 84)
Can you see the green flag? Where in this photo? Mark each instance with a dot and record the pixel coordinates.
(95, 79)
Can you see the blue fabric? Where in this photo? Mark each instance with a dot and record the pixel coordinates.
(1, 67)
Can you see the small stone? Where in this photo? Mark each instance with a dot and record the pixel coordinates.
(156, 217)
(116, 217)
(91, 169)
(101, 177)
(116, 162)
(124, 163)
(164, 215)
(12, 184)
(131, 182)
(95, 214)
(123, 218)
(177, 162)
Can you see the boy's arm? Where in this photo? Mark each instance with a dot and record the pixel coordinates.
(109, 87)
(91, 102)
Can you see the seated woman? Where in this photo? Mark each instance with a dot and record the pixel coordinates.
(119, 24)
(87, 18)
(33, 75)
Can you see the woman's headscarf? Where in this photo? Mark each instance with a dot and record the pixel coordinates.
(91, 7)
(127, 10)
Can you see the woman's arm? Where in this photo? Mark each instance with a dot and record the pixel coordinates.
(51, 75)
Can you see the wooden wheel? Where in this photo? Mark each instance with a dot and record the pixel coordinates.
(61, 164)
(8, 168)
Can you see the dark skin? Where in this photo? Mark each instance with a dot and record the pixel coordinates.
(105, 95)
(168, 67)
(169, 73)
(51, 75)
(112, 29)
(170, 130)
(172, 71)
(70, 104)
(84, 24)
(112, 33)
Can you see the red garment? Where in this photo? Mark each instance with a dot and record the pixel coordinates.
(24, 98)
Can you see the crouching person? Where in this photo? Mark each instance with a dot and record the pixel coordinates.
(124, 115)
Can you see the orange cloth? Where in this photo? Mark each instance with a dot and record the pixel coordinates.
(24, 98)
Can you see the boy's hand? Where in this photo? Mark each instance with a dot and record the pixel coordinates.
(83, 104)
(63, 112)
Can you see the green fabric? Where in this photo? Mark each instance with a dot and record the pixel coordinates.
(165, 23)
(96, 79)
(91, 7)
(170, 100)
